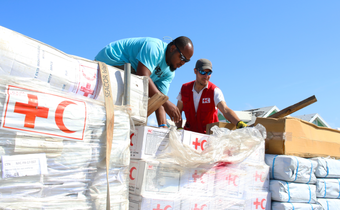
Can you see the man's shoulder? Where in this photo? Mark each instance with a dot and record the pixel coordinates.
(188, 84)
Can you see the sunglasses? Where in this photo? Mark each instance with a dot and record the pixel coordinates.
(181, 55)
(205, 72)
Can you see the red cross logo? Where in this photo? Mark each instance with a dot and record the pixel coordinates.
(159, 207)
(257, 203)
(131, 144)
(205, 100)
(196, 208)
(259, 176)
(86, 89)
(197, 144)
(232, 178)
(31, 110)
(196, 176)
(131, 170)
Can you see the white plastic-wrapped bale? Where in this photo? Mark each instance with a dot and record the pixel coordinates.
(53, 147)
(291, 168)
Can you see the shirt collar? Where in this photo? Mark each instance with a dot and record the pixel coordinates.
(193, 88)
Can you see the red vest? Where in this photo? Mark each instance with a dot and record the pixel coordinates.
(206, 111)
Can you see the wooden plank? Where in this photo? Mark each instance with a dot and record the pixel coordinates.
(294, 108)
(156, 101)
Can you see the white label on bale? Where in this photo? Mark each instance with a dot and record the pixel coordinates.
(87, 81)
(23, 165)
(44, 114)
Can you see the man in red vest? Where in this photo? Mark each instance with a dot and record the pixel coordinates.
(199, 99)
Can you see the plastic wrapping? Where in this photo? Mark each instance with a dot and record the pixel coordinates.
(327, 168)
(329, 204)
(295, 206)
(291, 168)
(223, 146)
(175, 175)
(292, 192)
(328, 188)
(74, 177)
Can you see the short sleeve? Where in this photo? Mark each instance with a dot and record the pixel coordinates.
(218, 96)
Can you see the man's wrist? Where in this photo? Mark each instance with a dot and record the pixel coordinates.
(163, 125)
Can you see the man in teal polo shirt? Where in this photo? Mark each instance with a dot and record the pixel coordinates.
(155, 59)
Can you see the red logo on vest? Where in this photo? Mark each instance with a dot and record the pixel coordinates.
(43, 113)
(205, 100)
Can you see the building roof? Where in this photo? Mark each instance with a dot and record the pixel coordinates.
(313, 118)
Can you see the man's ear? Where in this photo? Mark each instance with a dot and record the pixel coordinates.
(172, 48)
(195, 70)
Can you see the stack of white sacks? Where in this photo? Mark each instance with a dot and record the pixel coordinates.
(53, 134)
(52, 149)
(301, 183)
(328, 183)
(188, 170)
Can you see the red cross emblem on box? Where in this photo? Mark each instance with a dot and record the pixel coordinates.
(42, 113)
(259, 176)
(202, 207)
(159, 207)
(199, 144)
(262, 204)
(205, 100)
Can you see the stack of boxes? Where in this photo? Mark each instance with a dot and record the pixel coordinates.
(158, 184)
(53, 146)
(53, 134)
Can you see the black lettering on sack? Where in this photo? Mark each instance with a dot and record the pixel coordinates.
(106, 85)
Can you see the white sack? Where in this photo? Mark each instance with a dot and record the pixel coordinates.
(292, 192)
(295, 206)
(327, 168)
(328, 188)
(291, 168)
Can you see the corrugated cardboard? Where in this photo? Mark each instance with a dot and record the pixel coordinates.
(292, 136)
(220, 125)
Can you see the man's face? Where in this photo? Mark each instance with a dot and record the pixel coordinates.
(203, 79)
(178, 57)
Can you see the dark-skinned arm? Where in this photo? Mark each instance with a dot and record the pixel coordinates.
(167, 107)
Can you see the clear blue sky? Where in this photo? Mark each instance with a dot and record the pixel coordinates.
(264, 53)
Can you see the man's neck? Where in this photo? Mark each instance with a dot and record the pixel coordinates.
(198, 87)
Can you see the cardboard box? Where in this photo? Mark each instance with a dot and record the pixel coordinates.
(146, 141)
(220, 125)
(292, 136)
(196, 141)
(153, 178)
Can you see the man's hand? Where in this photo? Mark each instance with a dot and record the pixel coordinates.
(173, 112)
(241, 124)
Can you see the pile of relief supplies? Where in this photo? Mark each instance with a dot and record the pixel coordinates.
(53, 129)
(53, 147)
(53, 143)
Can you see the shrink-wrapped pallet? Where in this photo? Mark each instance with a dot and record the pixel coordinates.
(183, 175)
(53, 147)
